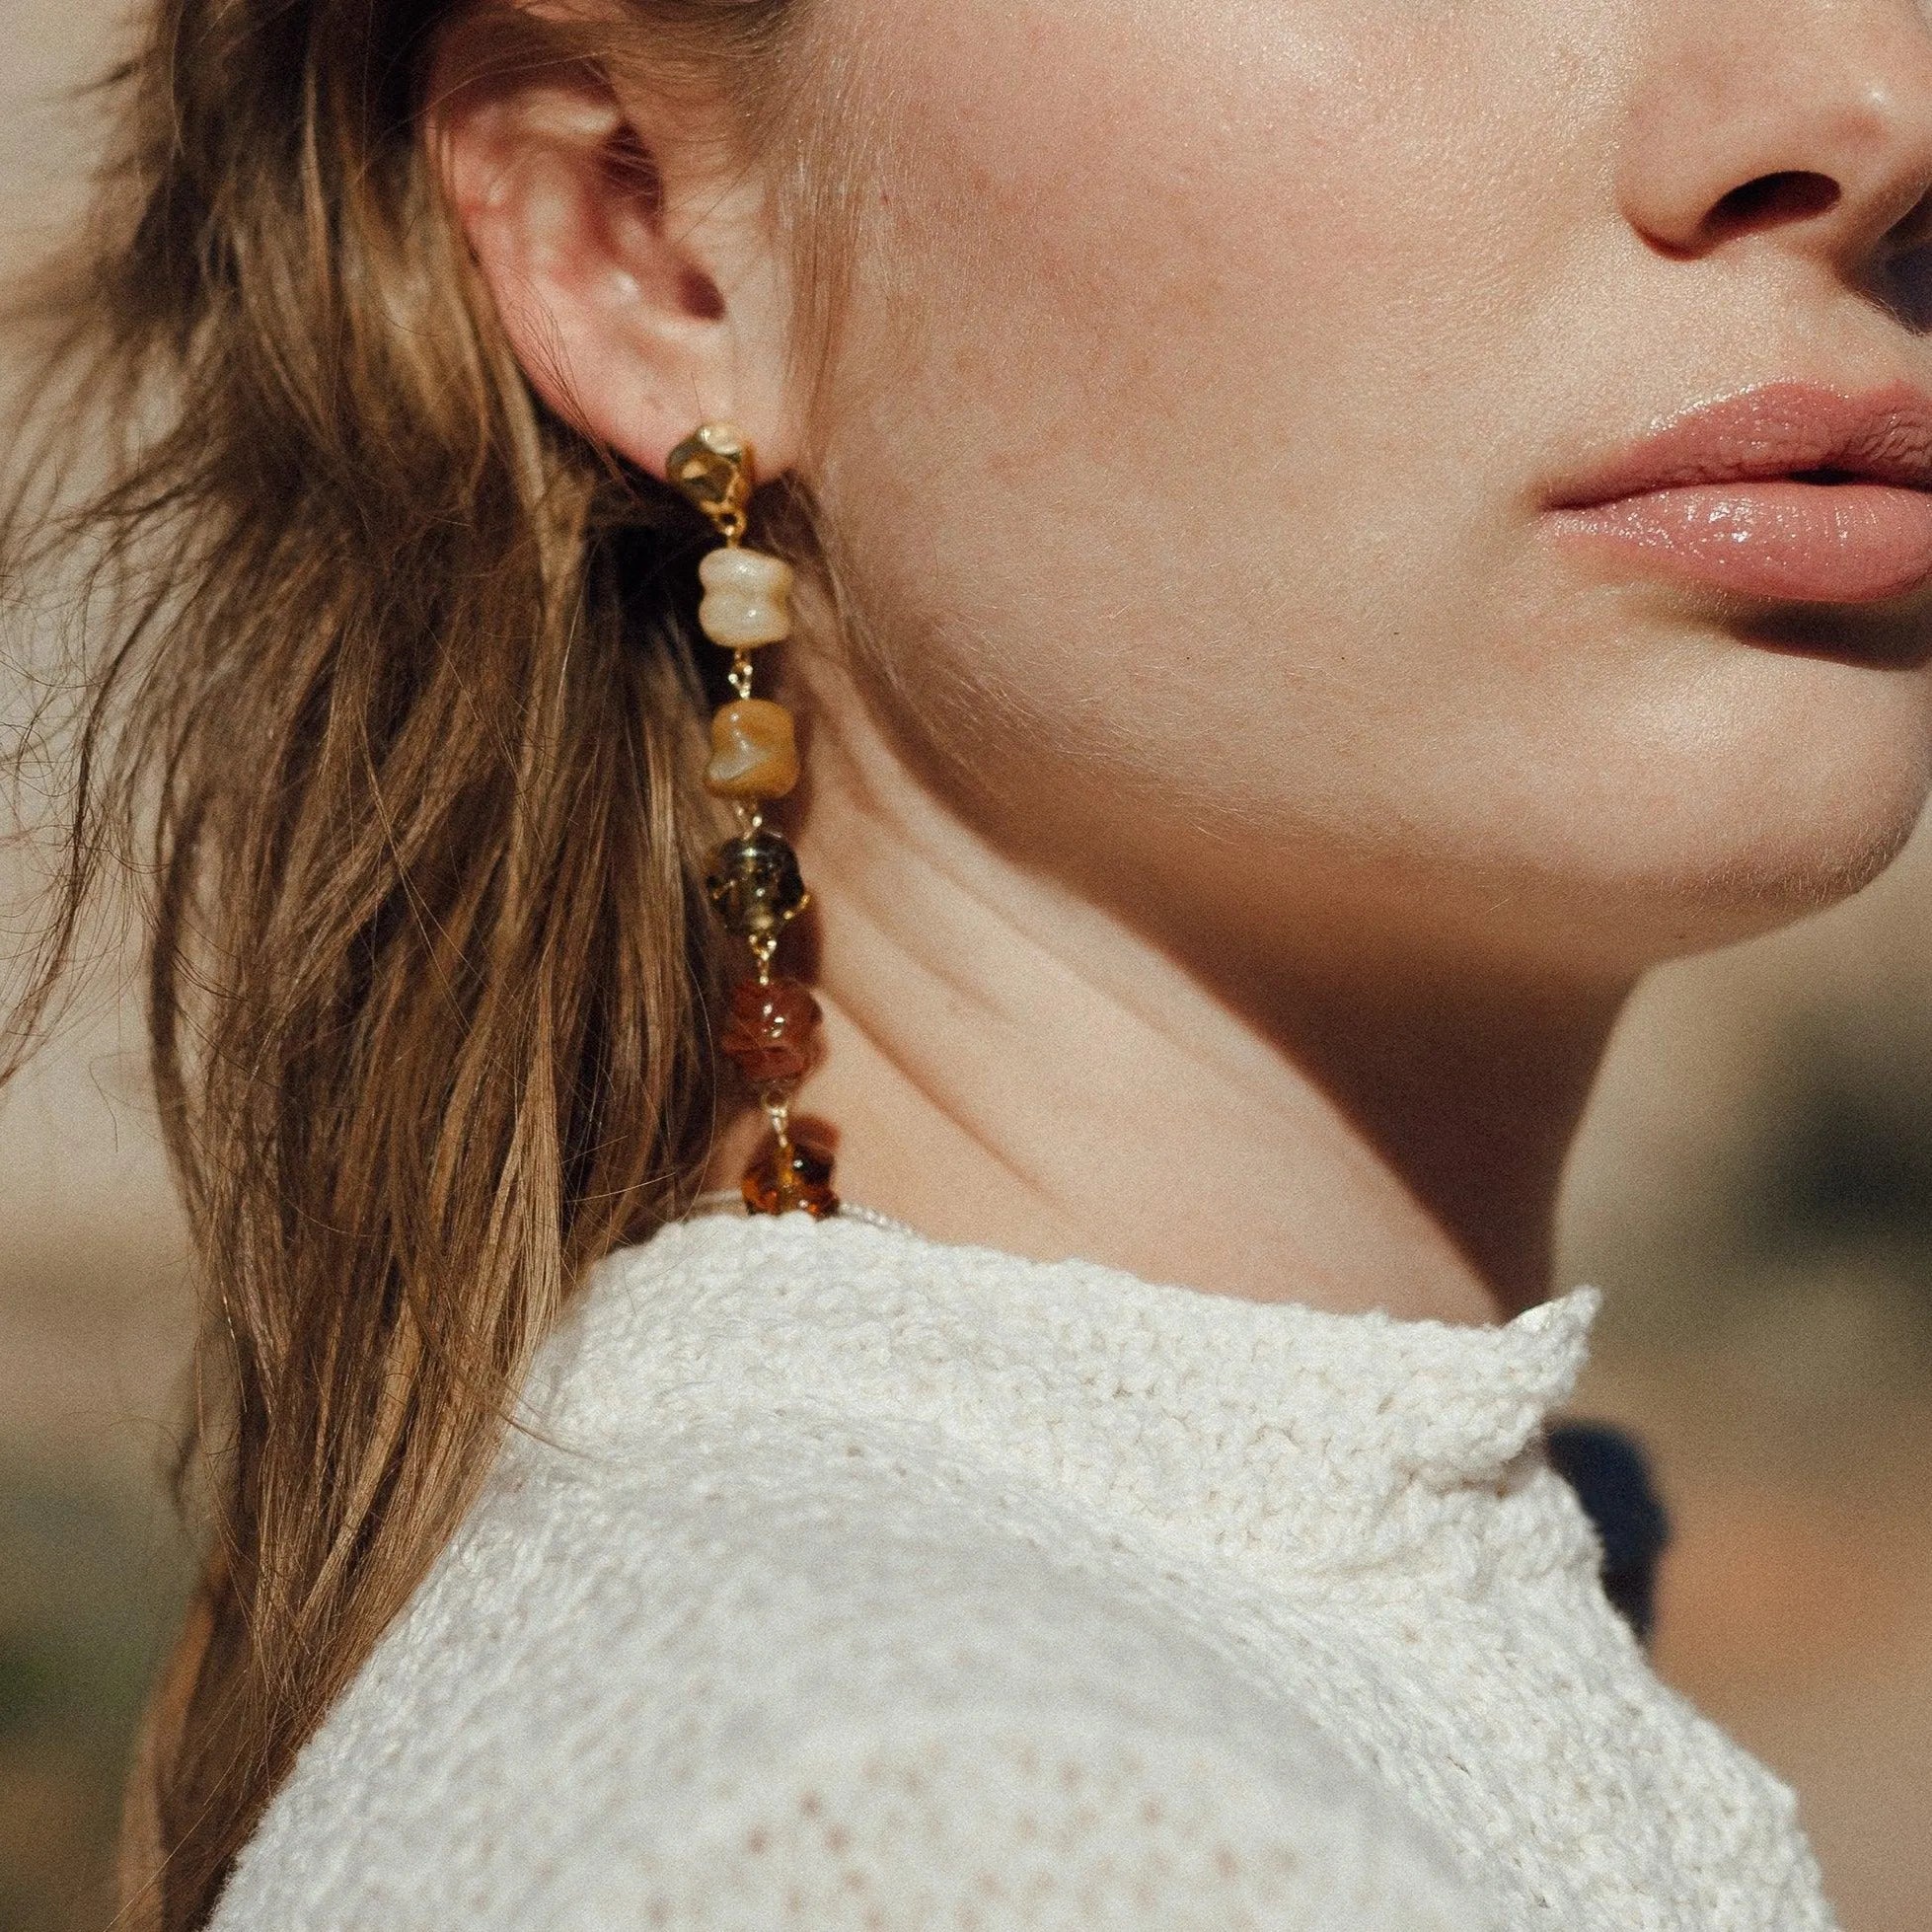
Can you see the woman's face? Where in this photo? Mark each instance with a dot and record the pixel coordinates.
(1210, 377)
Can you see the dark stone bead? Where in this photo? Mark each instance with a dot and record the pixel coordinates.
(756, 885)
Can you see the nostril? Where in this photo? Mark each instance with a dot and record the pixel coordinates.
(1770, 201)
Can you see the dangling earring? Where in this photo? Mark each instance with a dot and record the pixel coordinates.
(755, 882)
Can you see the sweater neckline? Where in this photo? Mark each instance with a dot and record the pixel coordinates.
(1271, 1426)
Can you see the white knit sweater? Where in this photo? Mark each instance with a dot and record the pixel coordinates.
(843, 1580)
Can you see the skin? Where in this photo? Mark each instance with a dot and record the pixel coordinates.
(1236, 819)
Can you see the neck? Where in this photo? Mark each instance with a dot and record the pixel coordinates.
(1010, 1064)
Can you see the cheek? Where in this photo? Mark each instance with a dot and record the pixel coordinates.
(1248, 278)
(1088, 195)
(1185, 442)
(1110, 217)
(1188, 343)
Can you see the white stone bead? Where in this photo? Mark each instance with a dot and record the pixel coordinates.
(735, 622)
(749, 571)
(748, 604)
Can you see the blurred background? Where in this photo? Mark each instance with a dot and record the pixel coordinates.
(1755, 1191)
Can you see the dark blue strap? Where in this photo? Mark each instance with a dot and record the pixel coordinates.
(1611, 1476)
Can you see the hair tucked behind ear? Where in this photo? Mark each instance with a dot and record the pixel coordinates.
(396, 703)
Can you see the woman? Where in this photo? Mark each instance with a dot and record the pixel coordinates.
(1329, 537)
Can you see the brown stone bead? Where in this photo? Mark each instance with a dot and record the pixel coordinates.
(790, 1178)
(772, 1038)
(754, 751)
(756, 885)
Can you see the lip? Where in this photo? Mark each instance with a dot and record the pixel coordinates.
(1791, 493)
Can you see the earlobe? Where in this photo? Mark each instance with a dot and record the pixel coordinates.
(631, 275)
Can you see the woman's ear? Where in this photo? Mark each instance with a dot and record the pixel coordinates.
(628, 245)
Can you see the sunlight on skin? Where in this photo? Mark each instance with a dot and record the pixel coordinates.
(1237, 811)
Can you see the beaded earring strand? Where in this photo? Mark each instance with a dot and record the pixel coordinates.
(755, 882)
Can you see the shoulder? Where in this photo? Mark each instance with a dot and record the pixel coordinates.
(781, 1670)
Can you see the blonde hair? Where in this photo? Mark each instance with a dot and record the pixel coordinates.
(395, 706)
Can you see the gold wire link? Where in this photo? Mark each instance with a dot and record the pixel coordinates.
(778, 1113)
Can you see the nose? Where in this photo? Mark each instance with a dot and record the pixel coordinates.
(1805, 123)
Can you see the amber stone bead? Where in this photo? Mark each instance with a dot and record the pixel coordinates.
(773, 1035)
(756, 885)
(754, 751)
(790, 1178)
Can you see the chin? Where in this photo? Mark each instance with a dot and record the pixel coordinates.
(1742, 790)
(1775, 881)
(1788, 834)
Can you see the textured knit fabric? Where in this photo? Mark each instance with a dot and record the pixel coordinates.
(843, 1580)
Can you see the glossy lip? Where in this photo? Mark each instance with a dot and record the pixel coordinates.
(1791, 493)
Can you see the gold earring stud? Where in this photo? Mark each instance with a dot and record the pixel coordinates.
(755, 882)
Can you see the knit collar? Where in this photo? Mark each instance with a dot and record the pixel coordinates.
(1339, 1439)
